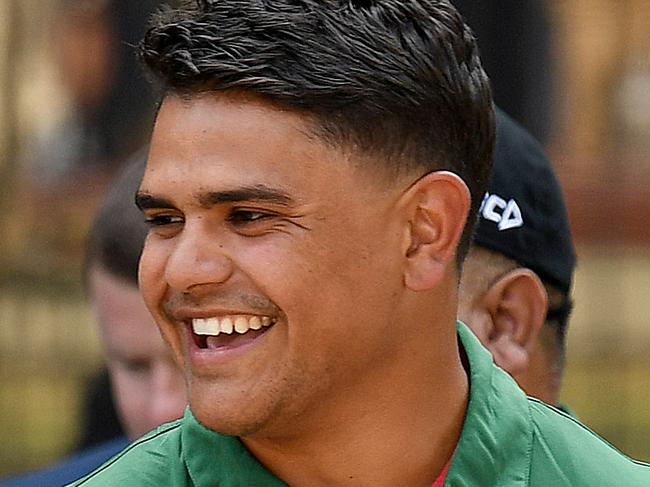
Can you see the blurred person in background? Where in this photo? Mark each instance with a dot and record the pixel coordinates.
(111, 104)
(147, 386)
(515, 287)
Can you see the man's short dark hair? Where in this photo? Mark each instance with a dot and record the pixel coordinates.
(400, 80)
(118, 232)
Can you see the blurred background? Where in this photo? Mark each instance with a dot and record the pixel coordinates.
(74, 104)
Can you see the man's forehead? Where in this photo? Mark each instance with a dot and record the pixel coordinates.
(264, 155)
(213, 108)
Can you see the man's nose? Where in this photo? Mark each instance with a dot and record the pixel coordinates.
(198, 258)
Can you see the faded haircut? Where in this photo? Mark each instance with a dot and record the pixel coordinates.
(118, 231)
(400, 81)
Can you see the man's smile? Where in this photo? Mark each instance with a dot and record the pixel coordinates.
(228, 331)
(219, 325)
(227, 324)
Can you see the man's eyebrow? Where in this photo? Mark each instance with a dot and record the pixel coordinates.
(146, 201)
(257, 193)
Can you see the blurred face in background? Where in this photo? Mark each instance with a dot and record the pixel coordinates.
(148, 387)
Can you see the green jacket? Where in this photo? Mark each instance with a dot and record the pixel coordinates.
(508, 439)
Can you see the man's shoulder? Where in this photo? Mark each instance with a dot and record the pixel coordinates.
(153, 458)
(70, 469)
(566, 452)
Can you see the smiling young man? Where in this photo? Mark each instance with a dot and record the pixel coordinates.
(311, 173)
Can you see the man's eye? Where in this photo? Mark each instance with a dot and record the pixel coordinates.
(243, 217)
(163, 220)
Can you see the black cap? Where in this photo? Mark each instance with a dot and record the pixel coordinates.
(523, 215)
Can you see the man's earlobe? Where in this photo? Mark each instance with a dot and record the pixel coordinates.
(517, 302)
(437, 204)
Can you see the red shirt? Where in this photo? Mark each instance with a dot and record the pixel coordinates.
(440, 481)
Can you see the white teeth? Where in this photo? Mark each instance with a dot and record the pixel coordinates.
(225, 324)
(255, 323)
(212, 326)
(240, 324)
(198, 324)
(268, 321)
(209, 326)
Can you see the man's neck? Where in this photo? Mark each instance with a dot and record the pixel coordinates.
(404, 437)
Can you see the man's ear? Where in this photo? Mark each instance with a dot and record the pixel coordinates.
(437, 206)
(517, 303)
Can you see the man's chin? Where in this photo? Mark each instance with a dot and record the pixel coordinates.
(233, 417)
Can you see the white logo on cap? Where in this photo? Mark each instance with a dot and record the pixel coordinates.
(510, 215)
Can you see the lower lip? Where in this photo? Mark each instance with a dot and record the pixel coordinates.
(210, 357)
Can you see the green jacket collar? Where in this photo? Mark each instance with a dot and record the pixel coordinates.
(210, 452)
(497, 415)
